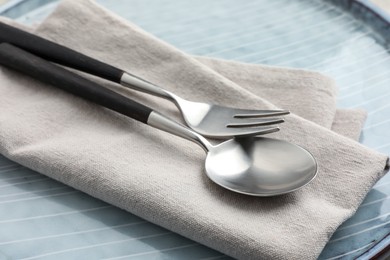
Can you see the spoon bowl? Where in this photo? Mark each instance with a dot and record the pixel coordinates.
(260, 166)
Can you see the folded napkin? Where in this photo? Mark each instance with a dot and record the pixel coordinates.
(160, 177)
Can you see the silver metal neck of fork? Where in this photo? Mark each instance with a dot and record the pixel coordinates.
(163, 123)
(142, 85)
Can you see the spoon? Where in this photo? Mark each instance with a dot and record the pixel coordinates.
(254, 166)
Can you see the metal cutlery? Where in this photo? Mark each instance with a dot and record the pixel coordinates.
(254, 166)
(210, 120)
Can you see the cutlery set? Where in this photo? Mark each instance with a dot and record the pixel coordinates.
(244, 163)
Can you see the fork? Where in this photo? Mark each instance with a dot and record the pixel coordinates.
(209, 120)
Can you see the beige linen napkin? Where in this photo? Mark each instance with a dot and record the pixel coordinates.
(161, 177)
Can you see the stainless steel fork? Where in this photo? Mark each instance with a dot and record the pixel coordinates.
(210, 120)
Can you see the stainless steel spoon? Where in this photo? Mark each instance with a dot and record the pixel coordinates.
(207, 119)
(253, 165)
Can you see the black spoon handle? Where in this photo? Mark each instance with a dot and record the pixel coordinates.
(36, 67)
(57, 53)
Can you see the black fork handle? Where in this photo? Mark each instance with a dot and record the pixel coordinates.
(38, 68)
(57, 53)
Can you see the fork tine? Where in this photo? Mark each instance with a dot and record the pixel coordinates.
(251, 123)
(260, 113)
(256, 131)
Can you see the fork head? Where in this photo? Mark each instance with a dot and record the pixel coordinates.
(222, 122)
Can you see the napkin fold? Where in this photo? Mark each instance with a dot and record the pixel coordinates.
(160, 177)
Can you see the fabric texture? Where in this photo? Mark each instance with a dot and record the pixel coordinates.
(161, 177)
(353, 118)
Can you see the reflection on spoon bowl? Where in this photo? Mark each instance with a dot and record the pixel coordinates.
(260, 166)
